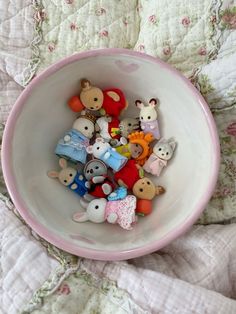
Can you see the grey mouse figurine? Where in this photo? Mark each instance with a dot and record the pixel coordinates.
(128, 126)
(95, 171)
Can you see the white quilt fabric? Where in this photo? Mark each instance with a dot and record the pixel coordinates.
(24, 264)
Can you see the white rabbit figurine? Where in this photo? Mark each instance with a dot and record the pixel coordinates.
(162, 152)
(103, 150)
(120, 212)
(148, 117)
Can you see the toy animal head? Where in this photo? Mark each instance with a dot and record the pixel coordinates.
(95, 211)
(91, 96)
(66, 175)
(147, 113)
(145, 189)
(94, 168)
(98, 148)
(85, 124)
(164, 149)
(128, 125)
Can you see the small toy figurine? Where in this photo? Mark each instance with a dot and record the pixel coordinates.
(102, 150)
(95, 172)
(128, 175)
(108, 129)
(138, 147)
(162, 152)
(128, 126)
(145, 190)
(71, 178)
(75, 141)
(148, 117)
(120, 212)
(110, 101)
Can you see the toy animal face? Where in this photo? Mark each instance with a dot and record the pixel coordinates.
(135, 150)
(91, 96)
(128, 125)
(96, 210)
(98, 148)
(94, 168)
(147, 113)
(164, 149)
(85, 126)
(144, 189)
(66, 176)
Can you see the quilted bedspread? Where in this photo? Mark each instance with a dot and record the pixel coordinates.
(196, 273)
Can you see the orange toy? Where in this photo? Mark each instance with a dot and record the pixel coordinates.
(144, 141)
(75, 104)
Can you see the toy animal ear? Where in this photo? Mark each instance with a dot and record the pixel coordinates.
(62, 163)
(172, 144)
(160, 190)
(162, 140)
(153, 102)
(53, 174)
(85, 84)
(99, 140)
(113, 95)
(83, 203)
(80, 217)
(89, 149)
(139, 104)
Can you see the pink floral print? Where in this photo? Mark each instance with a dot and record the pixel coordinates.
(231, 129)
(185, 21)
(100, 11)
(52, 46)
(139, 8)
(63, 289)
(103, 33)
(40, 15)
(141, 48)
(73, 26)
(125, 21)
(152, 19)
(202, 51)
(229, 18)
(167, 50)
(213, 19)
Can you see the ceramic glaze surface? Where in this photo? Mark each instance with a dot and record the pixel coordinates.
(41, 116)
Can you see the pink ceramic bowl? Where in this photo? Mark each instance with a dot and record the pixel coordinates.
(41, 115)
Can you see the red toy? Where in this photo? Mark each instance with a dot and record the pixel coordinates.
(102, 188)
(114, 102)
(128, 175)
(110, 101)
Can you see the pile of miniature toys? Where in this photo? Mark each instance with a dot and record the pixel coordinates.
(115, 155)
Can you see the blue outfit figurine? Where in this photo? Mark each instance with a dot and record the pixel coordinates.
(79, 185)
(73, 146)
(113, 159)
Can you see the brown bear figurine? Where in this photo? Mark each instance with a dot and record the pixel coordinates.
(145, 190)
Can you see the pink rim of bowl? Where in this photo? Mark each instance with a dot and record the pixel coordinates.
(66, 245)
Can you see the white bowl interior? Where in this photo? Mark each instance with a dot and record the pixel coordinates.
(45, 117)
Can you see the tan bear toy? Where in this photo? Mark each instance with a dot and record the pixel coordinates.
(110, 102)
(145, 190)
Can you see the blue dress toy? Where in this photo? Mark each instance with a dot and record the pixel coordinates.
(73, 146)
